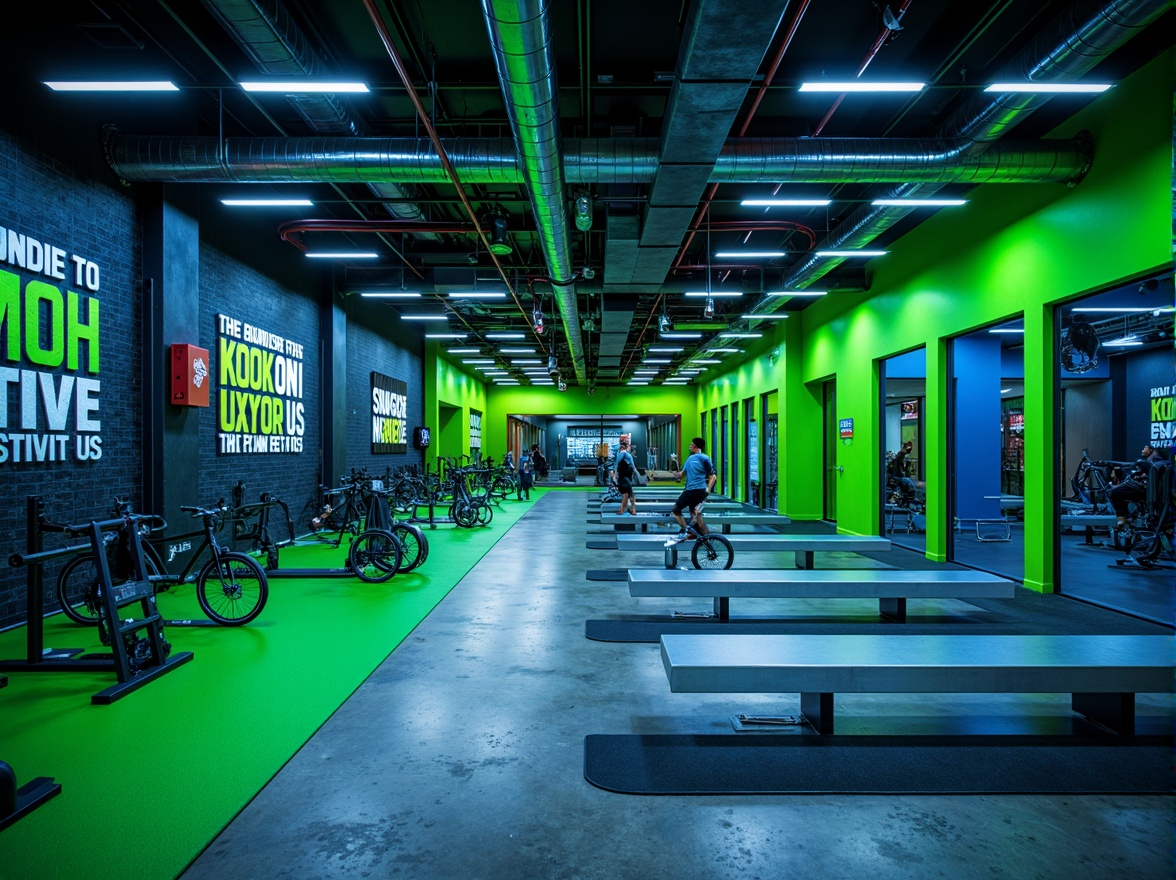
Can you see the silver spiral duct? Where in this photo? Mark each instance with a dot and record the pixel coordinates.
(1069, 46)
(590, 160)
(520, 35)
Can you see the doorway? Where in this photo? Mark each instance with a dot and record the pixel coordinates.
(904, 480)
(831, 438)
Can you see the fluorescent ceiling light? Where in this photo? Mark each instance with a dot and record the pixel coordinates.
(717, 294)
(424, 317)
(297, 86)
(676, 382)
(1122, 342)
(518, 361)
(113, 86)
(534, 372)
(1132, 309)
(446, 335)
(488, 371)
(657, 361)
(637, 382)
(859, 86)
(477, 360)
(706, 361)
(464, 351)
(733, 335)
(796, 293)
(542, 381)
(774, 316)
(725, 351)
(1005, 390)
(478, 294)
(918, 203)
(1007, 330)
(785, 203)
(506, 335)
(666, 349)
(852, 253)
(390, 294)
(1055, 88)
(760, 255)
(646, 372)
(691, 372)
(269, 203)
(516, 351)
(353, 255)
(506, 381)
(680, 335)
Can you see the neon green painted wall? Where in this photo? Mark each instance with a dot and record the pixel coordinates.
(1014, 249)
(448, 384)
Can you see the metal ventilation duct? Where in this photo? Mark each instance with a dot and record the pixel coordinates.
(147, 158)
(1069, 46)
(267, 34)
(520, 36)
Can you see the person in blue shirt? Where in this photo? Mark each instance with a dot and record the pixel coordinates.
(623, 469)
(700, 475)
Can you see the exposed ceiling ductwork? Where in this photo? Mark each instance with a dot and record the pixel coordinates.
(276, 45)
(1069, 46)
(142, 159)
(520, 36)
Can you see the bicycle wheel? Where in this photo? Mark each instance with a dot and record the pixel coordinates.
(77, 588)
(712, 551)
(375, 556)
(413, 545)
(485, 513)
(464, 514)
(233, 591)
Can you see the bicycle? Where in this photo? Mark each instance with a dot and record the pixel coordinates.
(710, 551)
(231, 587)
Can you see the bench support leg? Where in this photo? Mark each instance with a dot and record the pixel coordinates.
(804, 559)
(722, 607)
(1115, 711)
(817, 710)
(893, 609)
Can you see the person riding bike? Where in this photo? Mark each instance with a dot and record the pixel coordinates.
(700, 475)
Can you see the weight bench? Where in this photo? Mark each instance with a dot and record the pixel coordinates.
(891, 588)
(1101, 673)
(722, 519)
(804, 546)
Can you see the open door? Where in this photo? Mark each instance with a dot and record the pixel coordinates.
(831, 441)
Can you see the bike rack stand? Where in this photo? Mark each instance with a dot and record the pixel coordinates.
(16, 803)
(40, 659)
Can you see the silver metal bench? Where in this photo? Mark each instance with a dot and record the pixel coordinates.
(804, 546)
(721, 519)
(1101, 673)
(890, 587)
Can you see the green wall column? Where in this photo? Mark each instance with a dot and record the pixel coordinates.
(800, 483)
(935, 440)
(1040, 451)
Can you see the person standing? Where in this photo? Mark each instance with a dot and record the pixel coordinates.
(525, 471)
(700, 475)
(623, 470)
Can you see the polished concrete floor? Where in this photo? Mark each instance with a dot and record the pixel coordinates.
(462, 757)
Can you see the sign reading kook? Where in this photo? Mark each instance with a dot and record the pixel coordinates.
(259, 393)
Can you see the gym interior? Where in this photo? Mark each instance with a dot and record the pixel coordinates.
(313, 396)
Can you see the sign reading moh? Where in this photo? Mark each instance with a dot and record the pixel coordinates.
(259, 398)
(50, 388)
(389, 414)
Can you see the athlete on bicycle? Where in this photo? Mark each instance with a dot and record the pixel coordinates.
(700, 475)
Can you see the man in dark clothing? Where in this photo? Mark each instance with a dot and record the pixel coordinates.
(1133, 490)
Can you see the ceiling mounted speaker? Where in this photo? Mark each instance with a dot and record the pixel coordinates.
(498, 234)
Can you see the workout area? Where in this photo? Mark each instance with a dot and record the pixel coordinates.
(568, 440)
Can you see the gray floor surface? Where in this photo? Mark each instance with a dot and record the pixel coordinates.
(462, 757)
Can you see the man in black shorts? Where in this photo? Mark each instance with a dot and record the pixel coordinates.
(623, 470)
(700, 475)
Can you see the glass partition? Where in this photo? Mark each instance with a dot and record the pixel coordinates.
(904, 483)
(987, 441)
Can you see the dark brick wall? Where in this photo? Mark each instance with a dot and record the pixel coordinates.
(45, 200)
(228, 288)
(376, 342)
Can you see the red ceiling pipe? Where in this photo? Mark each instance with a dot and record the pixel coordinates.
(409, 87)
(291, 231)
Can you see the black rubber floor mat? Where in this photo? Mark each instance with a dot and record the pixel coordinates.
(809, 764)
